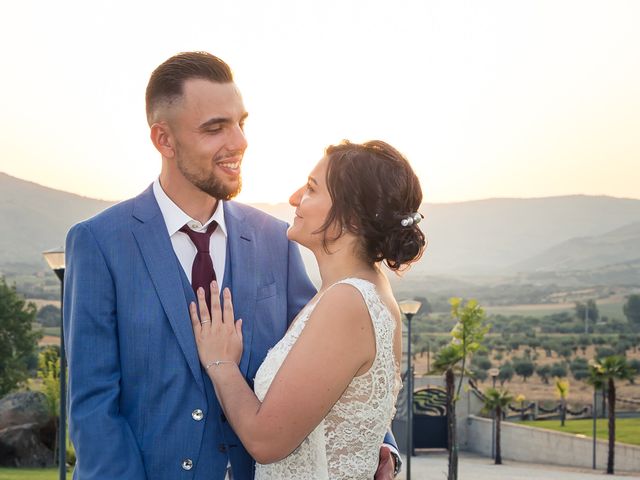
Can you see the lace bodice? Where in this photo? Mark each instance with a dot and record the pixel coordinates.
(346, 444)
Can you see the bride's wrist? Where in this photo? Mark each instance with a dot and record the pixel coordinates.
(217, 363)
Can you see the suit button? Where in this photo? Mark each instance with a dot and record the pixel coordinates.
(187, 464)
(197, 415)
(222, 447)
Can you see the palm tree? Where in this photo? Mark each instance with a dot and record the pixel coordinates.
(598, 384)
(562, 389)
(605, 372)
(497, 401)
(446, 362)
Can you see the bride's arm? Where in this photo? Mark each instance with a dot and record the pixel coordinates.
(337, 342)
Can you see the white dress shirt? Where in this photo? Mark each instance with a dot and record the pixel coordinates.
(175, 219)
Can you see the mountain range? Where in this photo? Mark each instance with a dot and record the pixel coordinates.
(494, 237)
(34, 218)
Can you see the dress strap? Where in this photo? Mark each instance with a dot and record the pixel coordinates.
(366, 288)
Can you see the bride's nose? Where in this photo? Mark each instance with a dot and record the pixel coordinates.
(294, 199)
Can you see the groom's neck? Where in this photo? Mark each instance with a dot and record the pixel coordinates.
(190, 199)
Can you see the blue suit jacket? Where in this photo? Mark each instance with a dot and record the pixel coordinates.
(140, 405)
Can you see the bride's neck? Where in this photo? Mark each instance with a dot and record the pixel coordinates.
(341, 264)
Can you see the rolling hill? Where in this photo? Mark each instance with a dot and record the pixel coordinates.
(619, 246)
(34, 218)
(499, 237)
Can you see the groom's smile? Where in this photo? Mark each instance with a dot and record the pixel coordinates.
(231, 166)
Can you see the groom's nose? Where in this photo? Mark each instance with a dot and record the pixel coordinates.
(237, 139)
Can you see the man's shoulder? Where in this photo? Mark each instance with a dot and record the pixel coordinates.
(113, 213)
(112, 218)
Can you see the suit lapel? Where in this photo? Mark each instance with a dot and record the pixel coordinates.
(165, 271)
(242, 258)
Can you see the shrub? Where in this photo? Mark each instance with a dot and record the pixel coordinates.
(506, 373)
(524, 367)
(49, 316)
(558, 370)
(602, 352)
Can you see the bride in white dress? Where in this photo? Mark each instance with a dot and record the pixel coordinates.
(324, 395)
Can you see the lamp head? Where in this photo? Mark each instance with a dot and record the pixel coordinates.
(55, 260)
(409, 307)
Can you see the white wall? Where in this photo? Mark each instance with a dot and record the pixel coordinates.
(535, 445)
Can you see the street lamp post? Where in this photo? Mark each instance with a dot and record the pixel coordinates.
(55, 259)
(409, 308)
(594, 415)
(493, 373)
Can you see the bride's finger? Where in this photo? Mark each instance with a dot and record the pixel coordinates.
(228, 318)
(239, 329)
(205, 319)
(195, 321)
(216, 315)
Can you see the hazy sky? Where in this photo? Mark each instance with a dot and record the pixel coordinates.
(487, 99)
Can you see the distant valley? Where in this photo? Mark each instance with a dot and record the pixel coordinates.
(569, 241)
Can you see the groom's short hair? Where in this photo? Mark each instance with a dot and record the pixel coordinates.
(167, 81)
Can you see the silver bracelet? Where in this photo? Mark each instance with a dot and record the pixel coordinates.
(216, 363)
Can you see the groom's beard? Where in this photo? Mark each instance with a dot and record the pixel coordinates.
(207, 181)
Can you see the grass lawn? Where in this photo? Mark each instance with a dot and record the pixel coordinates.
(627, 429)
(30, 474)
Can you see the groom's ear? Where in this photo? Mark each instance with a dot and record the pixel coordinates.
(162, 139)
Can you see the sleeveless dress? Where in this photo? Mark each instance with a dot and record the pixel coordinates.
(346, 444)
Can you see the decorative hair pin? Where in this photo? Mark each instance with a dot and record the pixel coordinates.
(411, 219)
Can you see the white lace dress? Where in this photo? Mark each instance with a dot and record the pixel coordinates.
(346, 444)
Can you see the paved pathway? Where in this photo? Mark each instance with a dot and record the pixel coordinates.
(433, 466)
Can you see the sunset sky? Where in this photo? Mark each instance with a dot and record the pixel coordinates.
(486, 98)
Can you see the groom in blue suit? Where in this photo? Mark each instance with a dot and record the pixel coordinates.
(140, 406)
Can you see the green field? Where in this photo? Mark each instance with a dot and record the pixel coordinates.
(611, 310)
(30, 474)
(605, 308)
(627, 429)
(527, 310)
(53, 331)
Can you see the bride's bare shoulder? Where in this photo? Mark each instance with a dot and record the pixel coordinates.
(342, 295)
(342, 307)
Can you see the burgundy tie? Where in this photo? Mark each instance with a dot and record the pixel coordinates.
(202, 273)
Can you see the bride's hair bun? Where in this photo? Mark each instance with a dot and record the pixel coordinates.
(376, 195)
